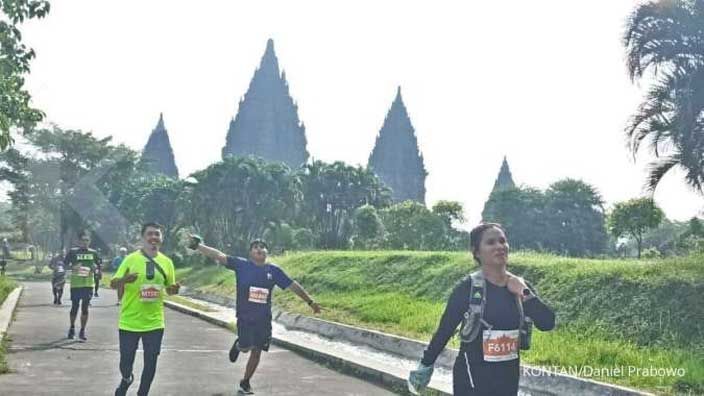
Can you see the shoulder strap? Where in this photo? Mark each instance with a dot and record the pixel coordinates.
(157, 266)
(519, 303)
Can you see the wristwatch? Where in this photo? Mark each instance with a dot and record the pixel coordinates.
(526, 294)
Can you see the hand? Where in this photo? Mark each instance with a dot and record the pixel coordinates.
(173, 289)
(516, 285)
(419, 378)
(194, 241)
(315, 307)
(129, 278)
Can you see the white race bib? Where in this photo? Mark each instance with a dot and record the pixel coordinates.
(149, 293)
(258, 295)
(60, 269)
(500, 345)
(83, 272)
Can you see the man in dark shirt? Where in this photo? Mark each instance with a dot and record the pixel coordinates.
(255, 283)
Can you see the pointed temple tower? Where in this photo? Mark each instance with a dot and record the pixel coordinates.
(396, 158)
(158, 155)
(267, 124)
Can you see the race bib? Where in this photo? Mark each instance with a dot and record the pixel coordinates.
(83, 272)
(500, 345)
(258, 295)
(60, 269)
(149, 293)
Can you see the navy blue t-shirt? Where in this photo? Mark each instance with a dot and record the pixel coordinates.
(254, 287)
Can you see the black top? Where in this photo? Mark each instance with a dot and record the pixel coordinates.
(500, 311)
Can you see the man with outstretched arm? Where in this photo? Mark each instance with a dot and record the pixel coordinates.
(255, 282)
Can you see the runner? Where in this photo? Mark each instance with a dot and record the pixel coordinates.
(255, 282)
(5, 256)
(145, 275)
(115, 265)
(58, 279)
(97, 277)
(498, 309)
(82, 261)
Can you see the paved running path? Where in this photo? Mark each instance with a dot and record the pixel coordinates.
(193, 359)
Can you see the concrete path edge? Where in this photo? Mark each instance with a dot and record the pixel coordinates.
(8, 309)
(379, 377)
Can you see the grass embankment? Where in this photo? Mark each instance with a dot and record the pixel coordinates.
(611, 313)
(6, 286)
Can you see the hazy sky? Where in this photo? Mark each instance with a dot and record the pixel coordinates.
(542, 82)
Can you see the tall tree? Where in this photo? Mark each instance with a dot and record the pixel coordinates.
(158, 156)
(267, 123)
(576, 222)
(521, 212)
(88, 170)
(331, 193)
(14, 168)
(240, 198)
(396, 158)
(666, 37)
(633, 218)
(410, 225)
(15, 109)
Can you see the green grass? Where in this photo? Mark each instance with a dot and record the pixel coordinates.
(4, 366)
(636, 313)
(7, 285)
(189, 303)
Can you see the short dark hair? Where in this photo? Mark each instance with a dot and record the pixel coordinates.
(258, 242)
(475, 236)
(83, 233)
(153, 225)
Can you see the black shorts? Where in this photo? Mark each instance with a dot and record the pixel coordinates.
(254, 334)
(81, 293)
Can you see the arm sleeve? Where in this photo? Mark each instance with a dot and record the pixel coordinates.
(234, 263)
(543, 317)
(456, 307)
(68, 260)
(280, 278)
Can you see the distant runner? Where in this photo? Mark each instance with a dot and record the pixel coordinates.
(82, 261)
(58, 278)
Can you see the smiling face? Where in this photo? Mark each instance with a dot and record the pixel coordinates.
(493, 248)
(258, 252)
(152, 238)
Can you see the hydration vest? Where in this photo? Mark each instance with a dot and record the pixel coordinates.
(474, 317)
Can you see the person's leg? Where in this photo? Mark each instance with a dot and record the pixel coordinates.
(75, 302)
(97, 286)
(252, 363)
(84, 312)
(128, 348)
(151, 342)
(59, 292)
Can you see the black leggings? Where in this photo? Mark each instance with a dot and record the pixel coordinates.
(151, 343)
(484, 379)
(58, 289)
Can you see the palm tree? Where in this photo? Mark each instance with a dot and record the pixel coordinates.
(665, 40)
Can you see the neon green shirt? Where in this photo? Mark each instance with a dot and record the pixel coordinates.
(83, 263)
(142, 307)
